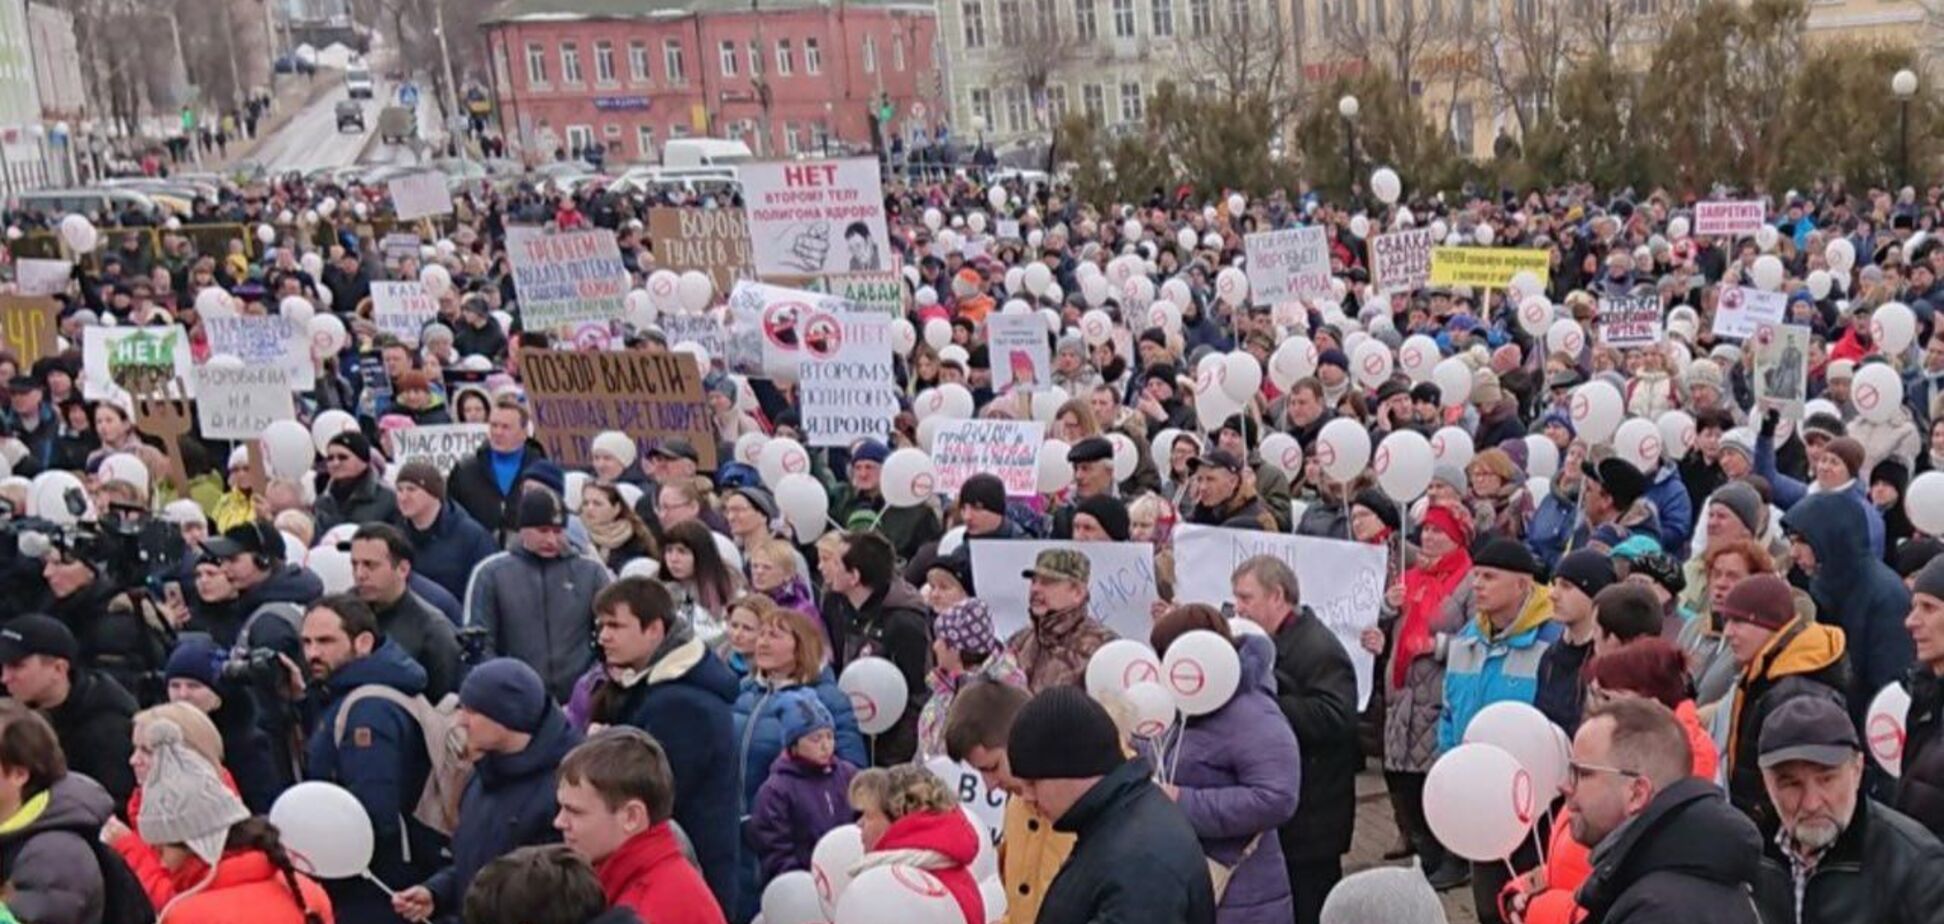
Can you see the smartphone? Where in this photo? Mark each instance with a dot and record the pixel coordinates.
(172, 593)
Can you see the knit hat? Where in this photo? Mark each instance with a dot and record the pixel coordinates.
(1507, 555)
(1849, 452)
(1062, 734)
(1892, 472)
(183, 800)
(424, 476)
(1761, 599)
(1109, 512)
(1485, 390)
(958, 565)
(966, 627)
(1739, 440)
(870, 451)
(195, 659)
(184, 512)
(1929, 579)
(984, 491)
(540, 508)
(1379, 505)
(1450, 476)
(1385, 895)
(1913, 554)
(1841, 370)
(1741, 500)
(1587, 570)
(616, 444)
(762, 500)
(1333, 357)
(1828, 426)
(1656, 565)
(353, 442)
(1426, 393)
(801, 713)
(509, 692)
(1455, 527)
(1559, 419)
(1703, 373)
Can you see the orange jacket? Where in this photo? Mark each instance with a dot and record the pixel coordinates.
(141, 858)
(246, 888)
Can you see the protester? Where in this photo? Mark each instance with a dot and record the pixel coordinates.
(1053, 649)
(541, 885)
(41, 667)
(381, 569)
(976, 733)
(1920, 787)
(966, 651)
(447, 543)
(617, 796)
(907, 818)
(535, 602)
(871, 612)
(48, 817)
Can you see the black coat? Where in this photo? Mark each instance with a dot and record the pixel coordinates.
(427, 635)
(1688, 856)
(893, 625)
(1316, 689)
(1881, 870)
(1920, 791)
(96, 725)
(1135, 858)
(473, 487)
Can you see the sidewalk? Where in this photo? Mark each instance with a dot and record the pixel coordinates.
(1377, 831)
(295, 93)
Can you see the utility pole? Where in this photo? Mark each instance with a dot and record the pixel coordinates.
(764, 94)
(452, 89)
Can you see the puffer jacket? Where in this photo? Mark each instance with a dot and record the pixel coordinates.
(943, 844)
(1553, 527)
(1412, 708)
(1053, 649)
(759, 709)
(246, 887)
(1920, 790)
(1669, 495)
(368, 501)
(1802, 659)
(1687, 856)
(1233, 767)
(449, 550)
(52, 874)
(894, 624)
(1881, 870)
(797, 804)
(1892, 439)
(539, 610)
(1484, 666)
(508, 803)
(1855, 591)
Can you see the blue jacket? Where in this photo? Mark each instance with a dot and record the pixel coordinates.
(1480, 671)
(1555, 525)
(441, 599)
(759, 728)
(448, 552)
(1787, 492)
(1855, 592)
(1670, 496)
(382, 761)
(508, 803)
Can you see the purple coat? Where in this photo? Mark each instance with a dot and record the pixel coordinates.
(1239, 772)
(795, 807)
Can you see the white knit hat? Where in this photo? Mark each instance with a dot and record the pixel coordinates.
(183, 800)
(616, 444)
(1385, 895)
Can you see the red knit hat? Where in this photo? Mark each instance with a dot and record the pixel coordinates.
(1761, 599)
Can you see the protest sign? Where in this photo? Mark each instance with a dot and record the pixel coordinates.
(260, 340)
(652, 397)
(763, 326)
(1007, 229)
(237, 402)
(1021, 359)
(1287, 264)
(1740, 311)
(443, 445)
(398, 246)
(420, 195)
(1782, 368)
(968, 784)
(815, 217)
(1008, 449)
(712, 241)
(402, 309)
(566, 278)
(1727, 219)
(1121, 589)
(847, 391)
(134, 360)
(42, 277)
(1630, 320)
(1487, 267)
(1401, 259)
(28, 324)
(700, 329)
(1343, 582)
(884, 292)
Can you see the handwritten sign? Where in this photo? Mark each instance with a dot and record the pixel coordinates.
(1008, 449)
(1487, 267)
(28, 325)
(1021, 359)
(763, 328)
(563, 279)
(816, 217)
(1342, 582)
(1121, 588)
(420, 195)
(1288, 264)
(1401, 259)
(118, 361)
(713, 241)
(1742, 310)
(653, 397)
(847, 389)
(1728, 219)
(443, 445)
(260, 340)
(399, 246)
(402, 309)
(43, 277)
(880, 292)
(1630, 320)
(699, 329)
(237, 402)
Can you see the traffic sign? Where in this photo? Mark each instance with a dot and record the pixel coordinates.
(408, 95)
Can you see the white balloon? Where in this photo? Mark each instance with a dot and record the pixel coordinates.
(1924, 502)
(1237, 204)
(1884, 726)
(664, 290)
(1294, 360)
(1479, 802)
(1403, 465)
(1677, 433)
(1094, 290)
(1036, 278)
(1542, 458)
(641, 312)
(695, 290)
(934, 219)
(926, 296)
(1371, 363)
(79, 234)
(1096, 327)
(1565, 336)
(1820, 283)
(1527, 285)
(749, 447)
(877, 693)
(997, 197)
(780, 457)
(938, 333)
(1523, 732)
(1452, 446)
(830, 864)
(297, 310)
(1535, 315)
(1047, 402)
(1055, 472)
(1893, 326)
(1454, 381)
(1677, 227)
(1359, 226)
(266, 234)
(1766, 273)
(325, 829)
(1596, 411)
(1877, 392)
(896, 895)
(1121, 664)
(1483, 234)
(1163, 313)
(328, 425)
(327, 335)
(1638, 441)
(908, 478)
(287, 449)
(1417, 357)
(1840, 255)
(1766, 238)
(1342, 448)
(1243, 376)
(332, 565)
(1126, 456)
(1284, 452)
(436, 279)
(792, 898)
(904, 337)
(1385, 183)
(1137, 293)
(1154, 709)
(1232, 286)
(1202, 670)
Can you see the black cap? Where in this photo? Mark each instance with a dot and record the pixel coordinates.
(1586, 569)
(1220, 458)
(1110, 513)
(255, 537)
(1618, 478)
(675, 449)
(1063, 734)
(984, 491)
(1507, 555)
(1808, 727)
(1427, 392)
(36, 634)
(23, 383)
(1091, 449)
(540, 508)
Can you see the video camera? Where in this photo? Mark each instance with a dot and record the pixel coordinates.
(121, 545)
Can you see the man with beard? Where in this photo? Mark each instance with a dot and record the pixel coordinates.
(1054, 649)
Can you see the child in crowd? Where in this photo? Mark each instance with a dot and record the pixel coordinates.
(807, 792)
(966, 649)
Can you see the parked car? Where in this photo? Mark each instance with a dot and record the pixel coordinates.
(397, 125)
(350, 112)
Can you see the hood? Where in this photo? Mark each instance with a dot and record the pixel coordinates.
(1816, 647)
(787, 765)
(902, 596)
(1688, 829)
(389, 665)
(1835, 527)
(289, 584)
(691, 662)
(550, 743)
(948, 833)
(1537, 613)
(74, 801)
(1258, 656)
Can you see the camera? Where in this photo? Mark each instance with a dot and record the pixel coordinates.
(256, 665)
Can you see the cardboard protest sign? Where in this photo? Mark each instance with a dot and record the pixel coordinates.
(29, 328)
(713, 241)
(652, 397)
(402, 309)
(1487, 267)
(1741, 310)
(1343, 582)
(816, 217)
(398, 246)
(846, 388)
(261, 340)
(1728, 219)
(1281, 265)
(567, 278)
(42, 277)
(1008, 449)
(881, 292)
(1401, 259)
(134, 360)
(1121, 588)
(163, 411)
(420, 195)
(237, 402)
(1021, 359)
(763, 330)
(443, 445)
(1630, 320)
(1782, 368)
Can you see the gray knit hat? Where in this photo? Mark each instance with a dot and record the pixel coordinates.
(1385, 895)
(183, 800)
(1741, 500)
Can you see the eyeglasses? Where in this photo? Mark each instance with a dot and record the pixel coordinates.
(1578, 771)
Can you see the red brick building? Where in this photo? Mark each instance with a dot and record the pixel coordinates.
(631, 74)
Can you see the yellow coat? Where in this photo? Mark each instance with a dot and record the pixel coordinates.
(1030, 855)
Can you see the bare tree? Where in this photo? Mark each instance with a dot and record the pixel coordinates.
(1524, 57)
(1394, 36)
(1244, 58)
(1036, 47)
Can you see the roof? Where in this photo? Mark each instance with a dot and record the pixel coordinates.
(538, 11)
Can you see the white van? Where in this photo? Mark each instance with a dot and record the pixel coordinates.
(705, 152)
(357, 81)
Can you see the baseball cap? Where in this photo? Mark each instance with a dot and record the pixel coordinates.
(675, 449)
(1220, 458)
(1808, 727)
(255, 537)
(1060, 565)
(36, 634)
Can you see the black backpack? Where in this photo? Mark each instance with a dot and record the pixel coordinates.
(123, 900)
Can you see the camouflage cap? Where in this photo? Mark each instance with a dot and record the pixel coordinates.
(1060, 565)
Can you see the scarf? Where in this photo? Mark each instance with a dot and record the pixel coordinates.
(1426, 588)
(610, 535)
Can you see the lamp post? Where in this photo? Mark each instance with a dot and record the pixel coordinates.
(829, 113)
(1903, 85)
(1348, 107)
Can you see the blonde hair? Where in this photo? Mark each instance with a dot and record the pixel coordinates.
(901, 790)
(198, 732)
(776, 552)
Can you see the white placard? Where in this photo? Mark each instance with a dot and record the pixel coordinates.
(260, 340)
(1120, 590)
(847, 389)
(816, 217)
(965, 782)
(402, 309)
(43, 277)
(567, 278)
(761, 337)
(1287, 264)
(236, 403)
(1342, 582)
(420, 195)
(1401, 259)
(1742, 310)
(1728, 219)
(1630, 320)
(141, 356)
(1020, 357)
(443, 445)
(1008, 449)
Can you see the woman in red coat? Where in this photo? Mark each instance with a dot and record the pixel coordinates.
(908, 818)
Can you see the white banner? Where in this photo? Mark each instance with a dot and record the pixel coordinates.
(420, 195)
(969, 786)
(1401, 259)
(1728, 219)
(1020, 356)
(762, 337)
(1342, 582)
(816, 217)
(237, 403)
(402, 309)
(1741, 311)
(117, 361)
(1120, 592)
(566, 278)
(443, 445)
(1287, 264)
(260, 340)
(847, 390)
(43, 277)
(1008, 449)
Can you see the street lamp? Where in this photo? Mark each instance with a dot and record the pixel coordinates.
(1904, 85)
(1348, 107)
(829, 127)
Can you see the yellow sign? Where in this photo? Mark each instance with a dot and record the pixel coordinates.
(1487, 267)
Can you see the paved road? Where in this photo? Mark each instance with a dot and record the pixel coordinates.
(1377, 832)
(311, 139)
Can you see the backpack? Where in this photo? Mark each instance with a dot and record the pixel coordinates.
(123, 900)
(445, 746)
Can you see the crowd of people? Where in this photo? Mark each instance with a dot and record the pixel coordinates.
(644, 656)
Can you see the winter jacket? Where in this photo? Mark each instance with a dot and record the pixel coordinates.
(1485, 666)
(1688, 856)
(1554, 528)
(894, 624)
(907, 528)
(1881, 870)
(795, 806)
(508, 803)
(1788, 492)
(999, 667)
(1856, 592)
(1803, 659)
(539, 610)
(96, 728)
(51, 871)
(1053, 648)
(1135, 857)
(248, 751)
(122, 637)
(1561, 693)
(287, 584)
(759, 709)
(1233, 769)
(368, 501)
(1243, 511)
(1920, 790)
(649, 874)
(1711, 662)
(382, 761)
(473, 487)
(246, 887)
(1413, 707)
(1031, 853)
(1669, 495)
(1499, 423)
(428, 636)
(1316, 691)
(943, 844)
(1891, 439)
(449, 550)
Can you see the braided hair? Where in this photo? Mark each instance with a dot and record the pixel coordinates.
(257, 833)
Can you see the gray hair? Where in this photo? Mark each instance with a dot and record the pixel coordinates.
(1385, 895)
(1272, 573)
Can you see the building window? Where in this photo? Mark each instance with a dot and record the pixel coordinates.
(645, 144)
(570, 69)
(1123, 18)
(785, 62)
(536, 64)
(1163, 18)
(1009, 22)
(982, 106)
(638, 62)
(898, 54)
(672, 61)
(1130, 103)
(1083, 20)
(727, 56)
(603, 62)
(1056, 103)
(1015, 109)
(755, 59)
(1239, 16)
(1200, 20)
(580, 138)
(1048, 18)
(870, 54)
(1094, 100)
(974, 14)
(812, 57)
(790, 143)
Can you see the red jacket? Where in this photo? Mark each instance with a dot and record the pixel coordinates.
(246, 888)
(156, 879)
(650, 875)
(950, 835)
